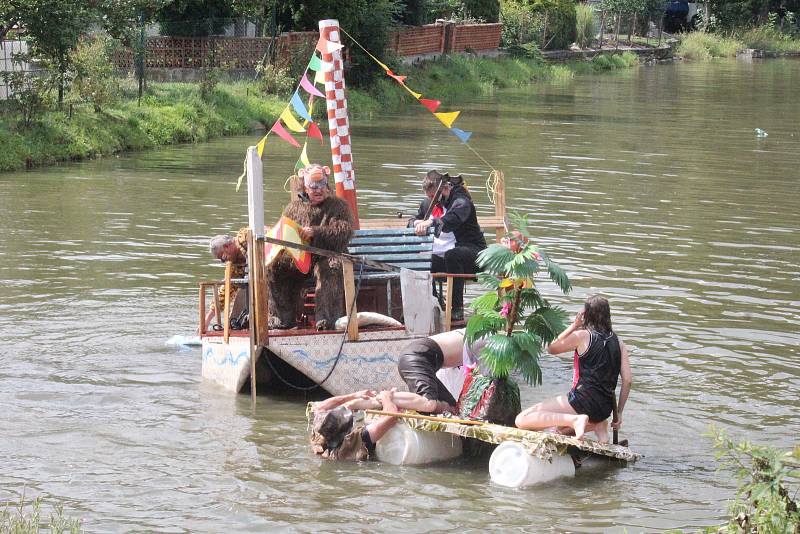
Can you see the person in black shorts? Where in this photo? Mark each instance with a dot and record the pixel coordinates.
(423, 357)
(600, 358)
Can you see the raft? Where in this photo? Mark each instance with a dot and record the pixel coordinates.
(523, 457)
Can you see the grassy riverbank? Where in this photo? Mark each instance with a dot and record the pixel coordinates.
(705, 46)
(173, 113)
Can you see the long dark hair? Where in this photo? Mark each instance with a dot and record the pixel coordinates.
(597, 314)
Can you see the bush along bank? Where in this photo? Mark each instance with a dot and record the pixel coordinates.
(704, 46)
(173, 113)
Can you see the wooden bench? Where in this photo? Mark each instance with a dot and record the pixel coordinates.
(399, 247)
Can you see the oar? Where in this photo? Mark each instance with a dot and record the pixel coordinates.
(615, 433)
(426, 417)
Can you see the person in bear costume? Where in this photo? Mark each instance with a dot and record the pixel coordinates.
(327, 223)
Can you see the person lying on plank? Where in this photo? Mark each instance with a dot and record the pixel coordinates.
(601, 357)
(338, 434)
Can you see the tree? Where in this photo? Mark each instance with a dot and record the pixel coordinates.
(194, 18)
(53, 28)
(513, 317)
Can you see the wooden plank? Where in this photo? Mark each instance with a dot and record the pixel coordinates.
(399, 240)
(350, 308)
(262, 294)
(202, 328)
(448, 307)
(251, 303)
(361, 251)
(227, 318)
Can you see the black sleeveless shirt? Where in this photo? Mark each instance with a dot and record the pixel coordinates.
(599, 365)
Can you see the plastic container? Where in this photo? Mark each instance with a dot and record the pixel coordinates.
(512, 466)
(402, 445)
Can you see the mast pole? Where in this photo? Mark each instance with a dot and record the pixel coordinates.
(338, 122)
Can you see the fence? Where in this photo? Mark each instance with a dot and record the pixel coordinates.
(8, 49)
(246, 52)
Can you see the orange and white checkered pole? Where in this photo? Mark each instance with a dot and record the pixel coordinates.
(338, 123)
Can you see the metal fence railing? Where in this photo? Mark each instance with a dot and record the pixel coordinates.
(9, 63)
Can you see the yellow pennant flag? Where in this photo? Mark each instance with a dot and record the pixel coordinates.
(291, 122)
(319, 77)
(413, 93)
(260, 146)
(304, 155)
(448, 118)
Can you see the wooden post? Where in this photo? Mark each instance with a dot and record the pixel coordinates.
(448, 305)
(544, 34)
(602, 26)
(255, 260)
(202, 328)
(500, 204)
(226, 331)
(350, 305)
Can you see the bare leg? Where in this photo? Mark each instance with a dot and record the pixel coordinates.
(600, 430)
(552, 412)
(413, 401)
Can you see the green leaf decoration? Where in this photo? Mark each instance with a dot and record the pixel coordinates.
(488, 280)
(494, 258)
(529, 348)
(498, 355)
(557, 274)
(480, 326)
(546, 323)
(484, 303)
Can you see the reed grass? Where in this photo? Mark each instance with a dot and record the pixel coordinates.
(702, 46)
(585, 25)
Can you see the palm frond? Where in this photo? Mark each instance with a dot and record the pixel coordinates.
(480, 326)
(498, 355)
(485, 302)
(546, 323)
(557, 274)
(494, 258)
(488, 280)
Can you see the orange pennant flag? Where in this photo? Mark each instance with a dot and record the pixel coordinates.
(287, 230)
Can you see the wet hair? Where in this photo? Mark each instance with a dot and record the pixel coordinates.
(217, 243)
(597, 314)
(429, 184)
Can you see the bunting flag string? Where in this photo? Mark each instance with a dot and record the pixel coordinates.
(446, 118)
(290, 121)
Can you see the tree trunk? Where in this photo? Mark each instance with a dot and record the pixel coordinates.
(616, 31)
(544, 32)
(660, 28)
(631, 30)
(602, 26)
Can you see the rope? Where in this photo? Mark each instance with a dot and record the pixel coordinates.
(492, 181)
(338, 354)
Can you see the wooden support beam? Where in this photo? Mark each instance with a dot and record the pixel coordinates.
(202, 299)
(253, 314)
(349, 301)
(448, 306)
(226, 325)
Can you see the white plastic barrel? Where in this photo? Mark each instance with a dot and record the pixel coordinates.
(512, 466)
(402, 445)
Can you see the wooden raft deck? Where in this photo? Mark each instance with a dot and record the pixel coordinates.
(538, 444)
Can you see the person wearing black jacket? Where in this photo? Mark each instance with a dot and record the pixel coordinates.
(461, 219)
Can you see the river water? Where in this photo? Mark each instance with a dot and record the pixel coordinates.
(649, 186)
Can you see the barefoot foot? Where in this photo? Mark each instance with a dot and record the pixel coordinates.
(601, 431)
(580, 425)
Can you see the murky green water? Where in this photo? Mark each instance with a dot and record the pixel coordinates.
(649, 186)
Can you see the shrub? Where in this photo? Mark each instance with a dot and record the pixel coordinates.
(94, 78)
(560, 16)
(486, 10)
(27, 98)
(585, 26)
(520, 24)
(274, 80)
(703, 46)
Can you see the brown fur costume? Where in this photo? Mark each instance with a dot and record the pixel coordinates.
(333, 227)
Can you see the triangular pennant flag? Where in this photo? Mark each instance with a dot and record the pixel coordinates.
(298, 106)
(303, 160)
(319, 77)
(292, 123)
(327, 47)
(432, 105)
(313, 131)
(283, 134)
(448, 118)
(260, 146)
(309, 87)
(401, 79)
(413, 93)
(461, 134)
(287, 230)
(316, 63)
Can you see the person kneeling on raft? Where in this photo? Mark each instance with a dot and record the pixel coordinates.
(602, 357)
(336, 433)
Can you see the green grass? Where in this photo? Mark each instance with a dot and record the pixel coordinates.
(766, 38)
(701, 46)
(25, 517)
(172, 113)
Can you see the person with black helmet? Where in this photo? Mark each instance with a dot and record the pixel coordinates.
(459, 217)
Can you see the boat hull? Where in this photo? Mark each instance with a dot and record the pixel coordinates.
(369, 363)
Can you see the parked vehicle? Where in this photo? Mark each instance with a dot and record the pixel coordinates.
(682, 15)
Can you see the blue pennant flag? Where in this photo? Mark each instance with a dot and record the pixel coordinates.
(461, 134)
(298, 106)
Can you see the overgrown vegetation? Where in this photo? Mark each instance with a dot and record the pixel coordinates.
(26, 518)
(704, 46)
(769, 482)
(585, 26)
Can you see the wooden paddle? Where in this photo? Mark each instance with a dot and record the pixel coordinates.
(615, 433)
